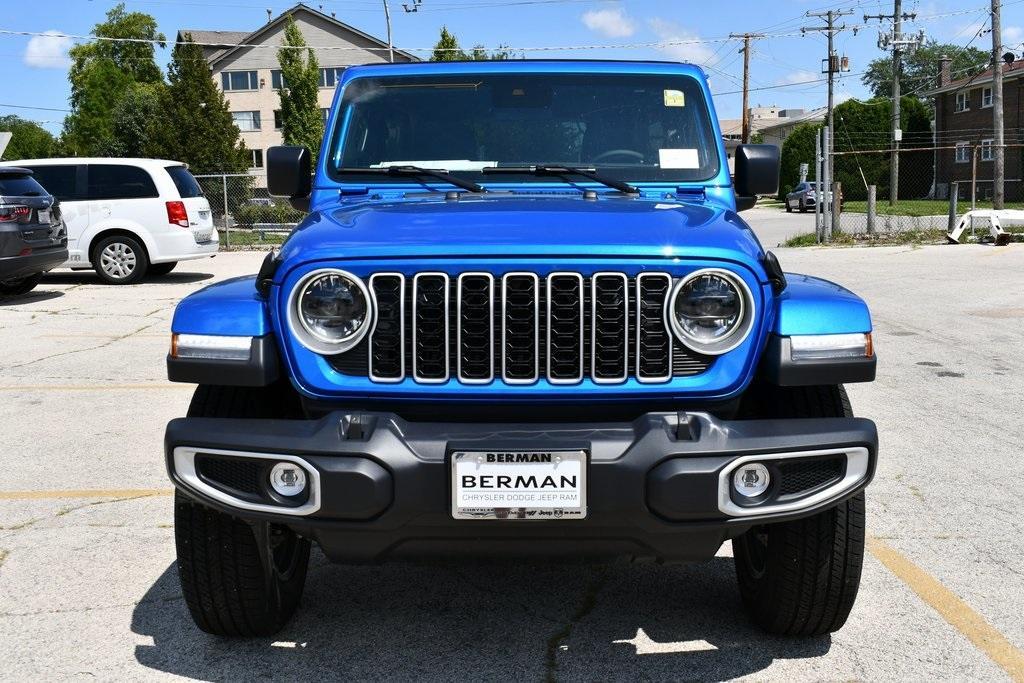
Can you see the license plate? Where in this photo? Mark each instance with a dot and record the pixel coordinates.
(533, 485)
(44, 216)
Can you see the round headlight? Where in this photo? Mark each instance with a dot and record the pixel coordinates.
(711, 311)
(332, 310)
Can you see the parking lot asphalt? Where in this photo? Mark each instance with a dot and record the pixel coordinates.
(88, 587)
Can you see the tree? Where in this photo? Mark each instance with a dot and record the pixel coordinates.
(447, 48)
(301, 121)
(101, 73)
(196, 126)
(29, 140)
(921, 68)
(798, 149)
(134, 121)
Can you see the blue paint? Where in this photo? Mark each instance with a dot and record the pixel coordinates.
(538, 226)
(230, 308)
(811, 305)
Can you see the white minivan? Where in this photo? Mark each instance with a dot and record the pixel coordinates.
(128, 217)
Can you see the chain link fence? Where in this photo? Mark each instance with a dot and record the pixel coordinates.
(937, 185)
(244, 212)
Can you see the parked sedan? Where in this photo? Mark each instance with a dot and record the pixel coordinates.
(33, 239)
(803, 197)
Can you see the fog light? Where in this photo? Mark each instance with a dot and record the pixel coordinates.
(288, 479)
(751, 480)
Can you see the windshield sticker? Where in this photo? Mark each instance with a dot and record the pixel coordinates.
(674, 98)
(446, 164)
(678, 158)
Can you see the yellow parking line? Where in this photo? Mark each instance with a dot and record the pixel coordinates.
(98, 386)
(83, 493)
(951, 608)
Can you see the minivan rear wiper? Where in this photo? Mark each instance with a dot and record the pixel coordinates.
(544, 170)
(412, 171)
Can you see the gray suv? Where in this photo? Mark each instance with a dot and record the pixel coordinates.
(32, 235)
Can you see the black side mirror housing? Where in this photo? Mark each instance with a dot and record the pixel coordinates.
(757, 172)
(289, 174)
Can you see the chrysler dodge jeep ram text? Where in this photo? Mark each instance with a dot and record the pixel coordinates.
(523, 317)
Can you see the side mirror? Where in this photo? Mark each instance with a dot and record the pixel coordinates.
(289, 174)
(757, 172)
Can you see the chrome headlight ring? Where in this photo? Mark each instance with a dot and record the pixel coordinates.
(308, 337)
(735, 336)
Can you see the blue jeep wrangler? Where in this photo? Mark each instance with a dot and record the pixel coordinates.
(523, 317)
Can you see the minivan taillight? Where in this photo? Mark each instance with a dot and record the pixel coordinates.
(14, 212)
(176, 214)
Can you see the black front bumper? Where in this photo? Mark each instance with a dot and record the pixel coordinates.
(654, 486)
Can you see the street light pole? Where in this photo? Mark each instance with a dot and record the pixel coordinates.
(387, 17)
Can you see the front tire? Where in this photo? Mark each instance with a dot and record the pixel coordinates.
(800, 578)
(789, 207)
(238, 578)
(120, 260)
(20, 286)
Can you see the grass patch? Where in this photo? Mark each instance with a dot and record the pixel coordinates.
(249, 239)
(919, 207)
(844, 239)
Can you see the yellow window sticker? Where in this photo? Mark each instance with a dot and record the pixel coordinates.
(674, 98)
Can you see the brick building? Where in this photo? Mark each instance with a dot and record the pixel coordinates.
(963, 122)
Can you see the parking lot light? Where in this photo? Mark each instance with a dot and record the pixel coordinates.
(210, 346)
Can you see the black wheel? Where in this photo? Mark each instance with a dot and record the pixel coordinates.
(803, 208)
(159, 269)
(20, 286)
(238, 578)
(800, 578)
(120, 260)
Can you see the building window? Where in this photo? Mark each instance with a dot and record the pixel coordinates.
(324, 113)
(963, 152)
(278, 120)
(246, 120)
(962, 101)
(986, 97)
(239, 80)
(986, 150)
(276, 79)
(330, 76)
(257, 158)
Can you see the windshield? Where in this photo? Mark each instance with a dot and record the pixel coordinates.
(627, 126)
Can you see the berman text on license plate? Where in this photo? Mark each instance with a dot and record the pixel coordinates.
(519, 484)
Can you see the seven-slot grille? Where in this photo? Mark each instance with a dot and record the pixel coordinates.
(520, 327)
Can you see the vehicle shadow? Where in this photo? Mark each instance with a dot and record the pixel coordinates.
(483, 621)
(33, 297)
(88, 277)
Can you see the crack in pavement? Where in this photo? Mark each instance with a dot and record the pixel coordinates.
(91, 348)
(74, 508)
(97, 608)
(587, 604)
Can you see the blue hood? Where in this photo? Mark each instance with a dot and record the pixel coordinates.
(511, 225)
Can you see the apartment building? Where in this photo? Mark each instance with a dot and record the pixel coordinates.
(244, 65)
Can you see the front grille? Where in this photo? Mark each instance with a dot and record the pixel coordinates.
(518, 328)
(804, 476)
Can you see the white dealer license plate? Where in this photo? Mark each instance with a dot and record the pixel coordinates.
(519, 485)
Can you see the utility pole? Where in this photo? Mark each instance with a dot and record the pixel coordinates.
(999, 156)
(387, 17)
(897, 42)
(747, 37)
(833, 66)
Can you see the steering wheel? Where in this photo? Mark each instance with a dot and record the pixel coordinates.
(619, 153)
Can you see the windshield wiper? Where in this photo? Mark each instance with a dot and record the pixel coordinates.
(413, 171)
(544, 170)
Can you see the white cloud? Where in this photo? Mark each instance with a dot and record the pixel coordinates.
(799, 77)
(1012, 35)
(610, 21)
(48, 51)
(684, 51)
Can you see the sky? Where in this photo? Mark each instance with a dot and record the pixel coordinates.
(33, 69)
